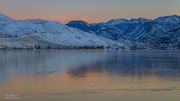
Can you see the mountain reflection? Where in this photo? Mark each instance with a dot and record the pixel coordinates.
(78, 63)
(135, 64)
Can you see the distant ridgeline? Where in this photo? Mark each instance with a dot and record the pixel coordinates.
(160, 33)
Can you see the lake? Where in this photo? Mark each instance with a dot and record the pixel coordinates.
(89, 75)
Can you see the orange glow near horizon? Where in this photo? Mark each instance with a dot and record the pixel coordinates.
(67, 19)
(63, 20)
(88, 10)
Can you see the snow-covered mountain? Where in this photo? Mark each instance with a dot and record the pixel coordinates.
(47, 34)
(160, 33)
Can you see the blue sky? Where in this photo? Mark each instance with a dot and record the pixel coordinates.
(89, 10)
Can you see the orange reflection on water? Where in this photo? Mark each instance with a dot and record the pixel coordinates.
(90, 83)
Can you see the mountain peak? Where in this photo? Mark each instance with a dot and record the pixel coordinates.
(4, 18)
(115, 21)
(168, 19)
(84, 26)
(78, 22)
(140, 20)
(134, 20)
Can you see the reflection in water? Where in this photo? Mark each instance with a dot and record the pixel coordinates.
(68, 74)
(137, 64)
(32, 63)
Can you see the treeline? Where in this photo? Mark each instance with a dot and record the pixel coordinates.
(56, 47)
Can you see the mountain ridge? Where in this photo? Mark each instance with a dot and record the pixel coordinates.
(153, 34)
(136, 33)
(43, 34)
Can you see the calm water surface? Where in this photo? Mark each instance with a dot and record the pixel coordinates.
(89, 75)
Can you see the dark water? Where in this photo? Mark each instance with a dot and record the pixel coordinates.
(89, 75)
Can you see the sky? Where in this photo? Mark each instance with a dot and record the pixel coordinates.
(88, 10)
